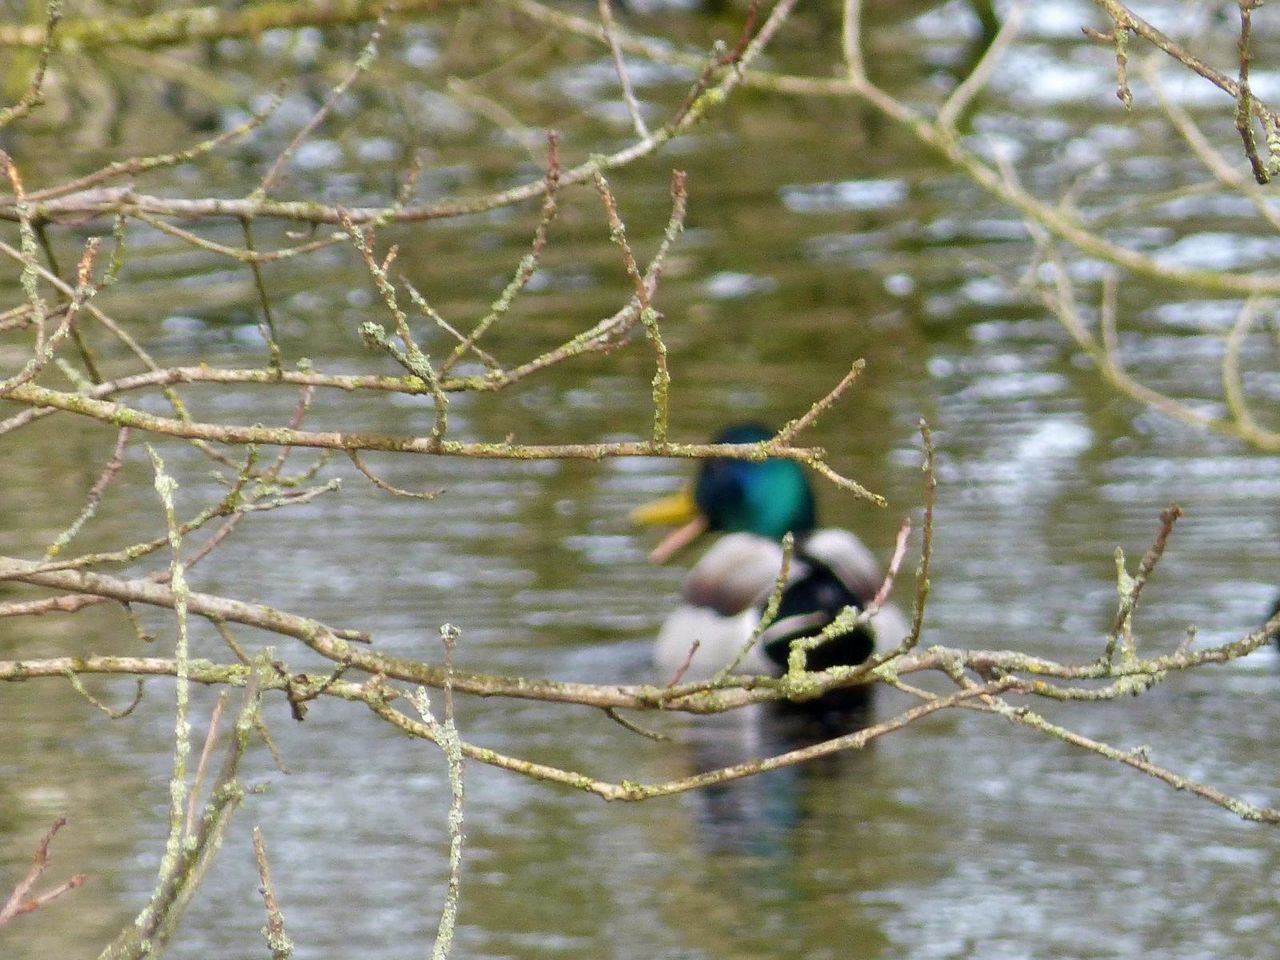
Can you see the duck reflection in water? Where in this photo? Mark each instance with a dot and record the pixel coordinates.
(753, 505)
(758, 814)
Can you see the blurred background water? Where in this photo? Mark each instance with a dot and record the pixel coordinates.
(816, 234)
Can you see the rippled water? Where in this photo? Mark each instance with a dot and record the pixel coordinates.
(815, 236)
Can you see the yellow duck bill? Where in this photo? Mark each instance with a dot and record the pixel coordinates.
(679, 508)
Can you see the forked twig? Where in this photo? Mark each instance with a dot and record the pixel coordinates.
(19, 901)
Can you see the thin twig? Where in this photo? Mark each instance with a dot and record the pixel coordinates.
(180, 877)
(82, 347)
(134, 166)
(1232, 385)
(1135, 759)
(891, 573)
(211, 738)
(111, 712)
(1222, 171)
(410, 355)
(611, 35)
(19, 902)
(45, 347)
(1244, 95)
(33, 96)
(648, 316)
(684, 667)
(810, 416)
(768, 615)
(616, 717)
(165, 487)
(926, 539)
(267, 325)
(1130, 588)
(528, 264)
(105, 479)
(362, 64)
(239, 254)
(277, 939)
(964, 94)
(445, 735)
(383, 485)
(851, 41)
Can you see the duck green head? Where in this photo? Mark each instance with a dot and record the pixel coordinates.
(767, 498)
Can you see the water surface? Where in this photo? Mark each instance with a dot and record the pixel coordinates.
(816, 235)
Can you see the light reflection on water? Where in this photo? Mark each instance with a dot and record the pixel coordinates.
(959, 837)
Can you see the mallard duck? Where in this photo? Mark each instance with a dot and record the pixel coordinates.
(753, 505)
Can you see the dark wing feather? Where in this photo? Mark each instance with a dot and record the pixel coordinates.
(834, 570)
(808, 605)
